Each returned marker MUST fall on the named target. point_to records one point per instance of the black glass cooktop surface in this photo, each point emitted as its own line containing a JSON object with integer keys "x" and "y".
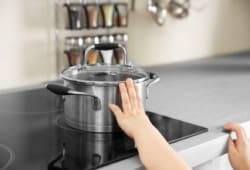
{"x": 32, "y": 128}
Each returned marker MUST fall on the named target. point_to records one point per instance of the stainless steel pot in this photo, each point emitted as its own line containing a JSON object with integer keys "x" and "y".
{"x": 90, "y": 88}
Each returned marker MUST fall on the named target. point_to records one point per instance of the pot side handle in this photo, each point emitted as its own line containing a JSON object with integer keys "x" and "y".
{"x": 62, "y": 90}
{"x": 153, "y": 78}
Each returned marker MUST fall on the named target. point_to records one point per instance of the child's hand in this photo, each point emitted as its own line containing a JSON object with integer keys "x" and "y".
{"x": 132, "y": 118}
{"x": 153, "y": 149}
{"x": 239, "y": 150}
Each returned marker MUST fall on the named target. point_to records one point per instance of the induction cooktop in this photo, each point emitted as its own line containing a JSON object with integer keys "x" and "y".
{"x": 35, "y": 136}
{"x": 86, "y": 151}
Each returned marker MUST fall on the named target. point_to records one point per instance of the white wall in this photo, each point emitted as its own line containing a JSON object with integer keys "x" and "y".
{"x": 222, "y": 27}
{"x": 28, "y": 57}
{"x": 24, "y": 43}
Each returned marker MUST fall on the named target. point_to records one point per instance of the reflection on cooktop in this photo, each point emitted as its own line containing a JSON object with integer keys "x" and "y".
{"x": 82, "y": 150}
{"x": 86, "y": 150}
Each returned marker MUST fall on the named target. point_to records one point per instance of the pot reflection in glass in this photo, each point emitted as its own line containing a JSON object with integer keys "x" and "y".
{"x": 84, "y": 150}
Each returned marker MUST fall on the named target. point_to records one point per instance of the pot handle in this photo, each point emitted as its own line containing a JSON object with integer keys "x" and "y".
{"x": 104, "y": 46}
{"x": 62, "y": 90}
{"x": 153, "y": 78}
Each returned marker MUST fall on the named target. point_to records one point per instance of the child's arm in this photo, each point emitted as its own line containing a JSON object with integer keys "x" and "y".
{"x": 154, "y": 151}
{"x": 238, "y": 150}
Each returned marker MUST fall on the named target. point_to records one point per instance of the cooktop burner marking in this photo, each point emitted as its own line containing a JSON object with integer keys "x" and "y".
{"x": 7, "y": 156}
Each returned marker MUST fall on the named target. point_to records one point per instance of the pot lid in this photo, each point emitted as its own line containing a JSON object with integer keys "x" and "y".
{"x": 103, "y": 74}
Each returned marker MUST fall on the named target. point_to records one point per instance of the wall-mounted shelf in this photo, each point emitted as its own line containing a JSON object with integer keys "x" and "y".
{"x": 87, "y": 18}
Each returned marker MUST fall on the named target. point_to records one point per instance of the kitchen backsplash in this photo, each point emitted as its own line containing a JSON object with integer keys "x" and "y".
{"x": 28, "y": 44}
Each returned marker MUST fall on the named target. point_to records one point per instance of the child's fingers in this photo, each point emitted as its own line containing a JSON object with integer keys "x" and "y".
{"x": 244, "y": 133}
{"x": 116, "y": 110}
{"x": 231, "y": 145}
{"x": 124, "y": 98}
{"x": 238, "y": 130}
{"x": 131, "y": 92}
{"x": 139, "y": 102}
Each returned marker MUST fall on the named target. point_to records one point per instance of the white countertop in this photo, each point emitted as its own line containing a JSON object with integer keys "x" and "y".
{"x": 208, "y": 92}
